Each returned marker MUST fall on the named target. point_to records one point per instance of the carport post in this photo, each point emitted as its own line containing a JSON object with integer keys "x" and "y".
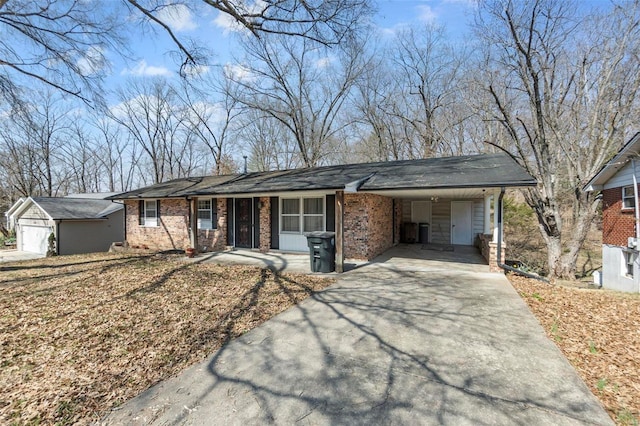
{"x": 487, "y": 214}
{"x": 193, "y": 222}
{"x": 339, "y": 231}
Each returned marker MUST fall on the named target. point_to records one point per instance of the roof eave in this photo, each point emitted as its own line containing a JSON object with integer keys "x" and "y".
{"x": 609, "y": 170}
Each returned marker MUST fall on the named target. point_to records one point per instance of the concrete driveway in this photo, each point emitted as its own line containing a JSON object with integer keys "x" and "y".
{"x": 17, "y": 255}
{"x": 401, "y": 341}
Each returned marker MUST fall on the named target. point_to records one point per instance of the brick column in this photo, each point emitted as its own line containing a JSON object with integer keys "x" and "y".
{"x": 265, "y": 224}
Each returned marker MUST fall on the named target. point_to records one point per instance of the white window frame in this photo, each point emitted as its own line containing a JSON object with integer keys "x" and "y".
{"x": 283, "y": 215}
{"x": 301, "y": 214}
{"x": 150, "y": 222}
{"x": 628, "y": 200}
{"x": 321, "y": 215}
{"x": 628, "y": 261}
{"x": 211, "y": 223}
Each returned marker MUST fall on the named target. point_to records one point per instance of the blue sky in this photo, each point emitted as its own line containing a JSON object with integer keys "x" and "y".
{"x": 216, "y": 30}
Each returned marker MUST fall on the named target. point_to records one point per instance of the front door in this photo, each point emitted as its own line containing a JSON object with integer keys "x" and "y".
{"x": 461, "y": 223}
{"x": 243, "y": 210}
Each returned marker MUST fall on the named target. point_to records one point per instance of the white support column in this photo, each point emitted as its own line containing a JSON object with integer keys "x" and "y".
{"x": 487, "y": 214}
{"x": 495, "y": 218}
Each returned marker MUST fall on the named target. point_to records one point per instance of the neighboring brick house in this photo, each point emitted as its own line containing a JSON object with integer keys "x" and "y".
{"x": 369, "y": 206}
{"x": 618, "y": 183}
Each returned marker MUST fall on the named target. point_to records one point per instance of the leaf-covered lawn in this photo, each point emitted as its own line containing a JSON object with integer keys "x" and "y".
{"x": 82, "y": 334}
{"x": 599, "y": 333}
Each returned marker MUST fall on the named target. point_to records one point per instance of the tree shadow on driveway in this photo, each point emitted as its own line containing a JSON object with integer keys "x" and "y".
{"x": 384, "y": 346}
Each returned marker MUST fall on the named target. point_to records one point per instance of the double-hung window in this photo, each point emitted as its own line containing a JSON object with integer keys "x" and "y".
{"x": 628, "y": 197}
{"x": 305, "y": 214}
{"x": 629, "y": 258}
{"x": 149, "y": 212}
{"x": 291, "y": 215}
{"x": 313, "y": 215}
{"x": 207, "y": 214}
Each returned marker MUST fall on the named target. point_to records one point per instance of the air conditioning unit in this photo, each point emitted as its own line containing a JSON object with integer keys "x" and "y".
{"x": 632, "y": 242}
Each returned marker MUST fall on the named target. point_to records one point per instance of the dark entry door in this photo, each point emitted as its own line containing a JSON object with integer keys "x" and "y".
{"x": 243, "y": 222}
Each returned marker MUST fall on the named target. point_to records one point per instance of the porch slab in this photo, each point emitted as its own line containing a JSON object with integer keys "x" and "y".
{"x": 416, "y": 256}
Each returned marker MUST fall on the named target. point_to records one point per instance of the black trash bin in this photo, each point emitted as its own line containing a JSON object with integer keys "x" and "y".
{"x": 423, "y": 233}
{"x": 322, "y": 256}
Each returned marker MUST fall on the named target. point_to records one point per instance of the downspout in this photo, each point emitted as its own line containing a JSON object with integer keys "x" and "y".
{"x": 637, "y": 211}
{"x": 499, "y": 260}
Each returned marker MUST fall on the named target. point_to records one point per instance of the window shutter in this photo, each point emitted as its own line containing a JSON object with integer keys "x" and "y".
{"x": 214, "y": 213}
{"x": 141, "y": 212}
{"x": 158, "y": 211}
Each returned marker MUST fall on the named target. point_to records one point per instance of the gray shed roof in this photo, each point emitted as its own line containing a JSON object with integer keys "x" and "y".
{"x": 471, "y": 171}
{"x": 77, "y": 208}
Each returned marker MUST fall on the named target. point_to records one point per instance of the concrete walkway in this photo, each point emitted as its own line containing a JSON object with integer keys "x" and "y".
{"x": 17, "y": 255}
{"x": 401, "y": 341}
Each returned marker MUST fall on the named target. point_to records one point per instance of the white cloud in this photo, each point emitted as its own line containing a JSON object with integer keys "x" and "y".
{"x": 93, "y": 61}
{"x": 228, "y": 24}
{"x": 178, "y": 17}
{"x": 465, "y": 3}
{"x": 238, "y": 72}
{"x": 393, "y": 31}
{"x": 426, "y": 14}
{"x": 196, "y": 70}
{"x": 142, "y": 69}
{"x": 324, "y": 62}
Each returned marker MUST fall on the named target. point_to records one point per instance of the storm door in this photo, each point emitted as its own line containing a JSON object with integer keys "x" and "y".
{"x": 243, "y": 222}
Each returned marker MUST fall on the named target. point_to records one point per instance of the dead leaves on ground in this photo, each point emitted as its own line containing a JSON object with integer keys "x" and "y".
{"x": 82, "y": 334}
{"x": 599, "y": 333}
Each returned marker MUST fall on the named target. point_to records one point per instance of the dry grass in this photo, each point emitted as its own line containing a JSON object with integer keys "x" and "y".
{"x": 82, "y": 334}
{"x": 599, "y": 333}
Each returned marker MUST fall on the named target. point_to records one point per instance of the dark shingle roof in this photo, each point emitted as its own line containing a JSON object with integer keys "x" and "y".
{"x": 77, "y": 208}
{"x": 487, "y": 170}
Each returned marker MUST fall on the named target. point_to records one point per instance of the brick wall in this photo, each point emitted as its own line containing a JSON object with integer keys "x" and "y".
{"x": 215, "y": 239}
{"x": 489, "y": 251}
{"x": 265, "y": 225}
{"x": 617, "y": 224}
{"x": 172, "y": 232}
{"x": 368, "y": 225}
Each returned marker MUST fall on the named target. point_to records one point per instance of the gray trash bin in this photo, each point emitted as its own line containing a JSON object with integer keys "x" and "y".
{"x": 322, "y": 255}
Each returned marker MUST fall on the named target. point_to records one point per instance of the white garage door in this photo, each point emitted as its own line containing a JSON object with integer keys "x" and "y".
{"x": 34, "y": 238}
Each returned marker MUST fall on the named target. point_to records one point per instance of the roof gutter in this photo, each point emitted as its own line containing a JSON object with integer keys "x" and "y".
{"x": 500, "y": 264}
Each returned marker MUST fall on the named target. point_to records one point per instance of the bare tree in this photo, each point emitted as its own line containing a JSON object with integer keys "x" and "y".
{"x": 151, "y": 115}
{"x": 210, "y": 122}
{"x": 323, "y": 22}
{"x": 563, "y": 87}
{"x": 60, "y": 43}
{"x": 269, "y": 142}
{"x": 302, "y": 86}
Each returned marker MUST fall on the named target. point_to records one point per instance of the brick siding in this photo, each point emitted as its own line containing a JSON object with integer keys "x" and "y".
{"x": 173, "y": 229}
{"x": 215, "y": 239}
{"x": 368, "y": 225}
{"x": 265, "y": 224}
{"x": 617, "y": 224}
